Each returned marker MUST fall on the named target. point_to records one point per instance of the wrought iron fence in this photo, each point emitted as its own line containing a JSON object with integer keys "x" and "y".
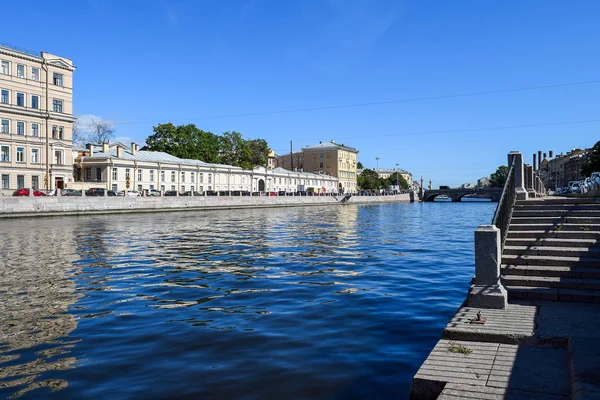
{"x": 506, "y": 205}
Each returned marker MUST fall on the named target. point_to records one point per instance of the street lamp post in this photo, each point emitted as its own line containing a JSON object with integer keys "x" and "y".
{"x": 377, "y": 164}
{"x": 397, "y": 178}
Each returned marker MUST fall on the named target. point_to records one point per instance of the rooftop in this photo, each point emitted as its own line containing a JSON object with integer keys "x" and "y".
{"x": 329, "y": 145}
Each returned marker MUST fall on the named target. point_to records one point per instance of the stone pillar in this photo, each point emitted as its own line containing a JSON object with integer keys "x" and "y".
{"x": 486, "y": 290}
{"x": 58, "y": 192}
{"x": 529, "y": 179}
{"x": 519, "y": 174}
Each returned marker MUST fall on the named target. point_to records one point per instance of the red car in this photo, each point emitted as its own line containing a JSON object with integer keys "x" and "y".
{"x": 25, "y": 192}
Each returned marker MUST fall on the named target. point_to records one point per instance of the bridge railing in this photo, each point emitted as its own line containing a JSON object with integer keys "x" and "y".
{"x": 506, "y": 205}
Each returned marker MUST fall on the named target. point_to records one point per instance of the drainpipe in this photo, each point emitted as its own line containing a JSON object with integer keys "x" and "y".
{"x": 109, "y": 180}
{"x": 49, "y": 184}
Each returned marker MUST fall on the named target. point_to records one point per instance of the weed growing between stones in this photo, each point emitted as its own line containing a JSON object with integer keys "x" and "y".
{"x": 459, "y": 348}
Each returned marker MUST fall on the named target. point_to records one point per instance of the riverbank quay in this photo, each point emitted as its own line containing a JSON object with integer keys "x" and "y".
{"x": 528, "y": 328}
{"x": 30, "y": 206}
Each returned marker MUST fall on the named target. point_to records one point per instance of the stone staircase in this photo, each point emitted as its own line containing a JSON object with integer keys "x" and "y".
{"x": 552, "y": 251}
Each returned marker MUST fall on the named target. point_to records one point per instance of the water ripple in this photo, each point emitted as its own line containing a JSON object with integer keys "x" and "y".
{"x": 313, "y": 302}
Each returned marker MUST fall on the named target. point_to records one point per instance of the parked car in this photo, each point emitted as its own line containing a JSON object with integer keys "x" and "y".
{"x": 70, "y": 192}
{"x": 152, "y": 192}
{"x": 128, "y": 193}
{"x": 171, "y": 193}
{"x": 211, "y": 193}
{"x": 189, "y": 193}
{"x": 99, "y": 192}
{"x": 25, "y": 192}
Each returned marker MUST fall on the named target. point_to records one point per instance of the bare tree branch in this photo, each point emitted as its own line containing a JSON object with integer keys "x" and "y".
{"x": 101, "y": 131}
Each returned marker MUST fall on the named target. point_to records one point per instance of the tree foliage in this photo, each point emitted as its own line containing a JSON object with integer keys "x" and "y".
{"x": 187, "y": 141}
{"x": 593, "y": 162}
{"x": 359, "y": 165}
{"x": 498, "y": 178}
{"x": 370, "y": 180}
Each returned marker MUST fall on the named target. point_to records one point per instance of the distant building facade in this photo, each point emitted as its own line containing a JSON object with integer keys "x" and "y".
{"x": 36, "y": 120}
{"x": 327, "y": 158}
{"x": 563, "y": 168}
{"x": 110, "y": 166}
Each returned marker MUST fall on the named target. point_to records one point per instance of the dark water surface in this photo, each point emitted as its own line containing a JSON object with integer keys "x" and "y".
{"x": 310, "y": 302}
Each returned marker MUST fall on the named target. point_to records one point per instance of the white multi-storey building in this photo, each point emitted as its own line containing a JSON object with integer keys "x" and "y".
{"x": 36, "y": 120}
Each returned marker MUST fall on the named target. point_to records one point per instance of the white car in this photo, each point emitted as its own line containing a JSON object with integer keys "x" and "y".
{"x": 128, "y": 193}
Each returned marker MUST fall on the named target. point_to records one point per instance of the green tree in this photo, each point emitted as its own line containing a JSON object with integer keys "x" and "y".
{"x": 498, "y": 178}
{"x": 593, "y": 162}
{"x": 359, "y": 165}
{"x": 232, "y": 145}
{"x": 185, "y": 141}
{"x": 255, "y": 152}
{"x": 396, "y": 179}
{"x": 369, "y": 180}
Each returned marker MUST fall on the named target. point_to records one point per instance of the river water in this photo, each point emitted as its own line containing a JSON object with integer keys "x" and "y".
{"x": 331, "y": 302}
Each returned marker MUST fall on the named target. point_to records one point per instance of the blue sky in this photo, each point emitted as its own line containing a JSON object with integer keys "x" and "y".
{"x": 140, "y": 63}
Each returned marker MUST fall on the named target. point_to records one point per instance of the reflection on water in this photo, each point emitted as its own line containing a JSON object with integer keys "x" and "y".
{"x": 308, "y": 302}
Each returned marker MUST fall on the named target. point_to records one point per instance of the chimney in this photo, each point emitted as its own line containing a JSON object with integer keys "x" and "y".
{"x": 119, "y": 151}
{"x": 90, "y": 148}
{"x": 545, "y": 156}
{"x": 539, "y": 158}
{"x": 133, "y": 148}
{"x": 550, "y": 153}
{"x": 534, "y": 165}
{"x": 105, "y": 147}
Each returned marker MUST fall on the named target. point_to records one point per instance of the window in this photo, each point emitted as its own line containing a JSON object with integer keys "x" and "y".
{"x": 151, "y": 186}
{"x": 54, "y": 131}
{"x": 173, "y": 177}
{"x": 57, "y": 79}
{"x": 58, "y": 157}
{"x": 172, "y": 187}
{"x": 5, "y": 67}
{"x": 183, "y": 177}
{"x": 4, "y": 96}
{"x": 192, "y": 177}
{"x": 140, "y": 174}
{"x": 20, "y": 71}
{"x": 183, "y": 188}
{"x": 140, "y": 188}
{"x": 20, "y": 128}
{"x": 201, "y": 176}
{"x": 21, "y": 99}
{"x": 60, "y": 132}
{"x": 320, "y": 165}
{"x": 98, "y": 174}
{"x": 4, "y": 153}
{"x": 35, "y": 182}
{"x": 127, "y": 173}
{"x": 5, "y": 127}
{"x": 35, "y": 130}
{"x": 209, "y": 178}
{"x": 115, "y": 187}
{"x": 320, "y": 155}
{"x": 5, "y": 181}
{"x": 35, "y": 156}
{"x": 115, "y": 174}
{"x": 20, "y": 181}
{"x": 151, "y": 175}
{"x": 57, "y": 105}
{"x": 20, "y": 154}
{"x": 162, "y": 188}
{"x": 35, "y": 74}
{"x": 162, "y": 176}
{"x": 35, "y": 102}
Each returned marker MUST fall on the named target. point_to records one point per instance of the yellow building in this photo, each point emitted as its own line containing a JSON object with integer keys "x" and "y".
{"x": 327, "y": 158}
{"x": 36, "y": 120}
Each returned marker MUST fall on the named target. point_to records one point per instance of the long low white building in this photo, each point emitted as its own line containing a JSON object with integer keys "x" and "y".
{"x": 112, "y": 166}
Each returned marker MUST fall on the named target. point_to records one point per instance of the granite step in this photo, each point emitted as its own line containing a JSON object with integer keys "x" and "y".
{"x": 555, "y": 220}
{"x": 561, "y": 207}
{"x": 551, "y": 282}
{"x": 552, "y": 294}
{"x": 512, "y": 259}
{"x": 556, "y": 213}
{"x": 551, "y": 251}
{"x": 549, "y": 226}
{"x": 551, "y": 271}
{"x": 532, "y": 240}
{"x": 561, "y": 234}
{"x": 547, "y": 201}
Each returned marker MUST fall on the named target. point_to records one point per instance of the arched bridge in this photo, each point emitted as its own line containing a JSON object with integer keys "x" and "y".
{"x": 458, "y": 194}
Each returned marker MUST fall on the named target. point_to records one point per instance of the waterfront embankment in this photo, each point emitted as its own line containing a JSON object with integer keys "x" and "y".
{"x": 15, "y": 207}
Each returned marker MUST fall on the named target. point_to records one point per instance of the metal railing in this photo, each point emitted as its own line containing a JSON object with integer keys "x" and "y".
{"x": 506, "y": 205}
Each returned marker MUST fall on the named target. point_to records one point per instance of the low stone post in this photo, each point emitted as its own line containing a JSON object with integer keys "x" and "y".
{"x": 530, "y": 176}
{"x": 487, "y": 291}
{"x": 58, "y": 192}
{"x": 177, "y": 193}
{"x": 30, "y": 192}
{"x": 82, "y": 192}
{"x": 105, "y": 192}
{"x": 519, "y": 174}
{"x": 192, "y": 192}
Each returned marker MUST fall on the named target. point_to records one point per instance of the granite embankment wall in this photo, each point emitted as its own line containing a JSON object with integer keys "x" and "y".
{"x": 13, "y": 207}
